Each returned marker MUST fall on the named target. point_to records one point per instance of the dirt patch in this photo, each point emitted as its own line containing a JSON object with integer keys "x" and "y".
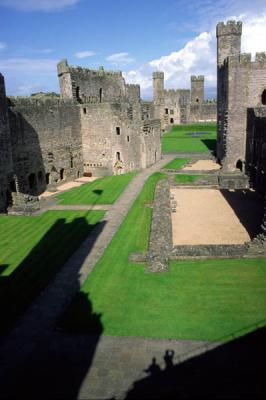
{"x": 204, "y": 216}
{"x": 202, "y": 165}
{"x": 69, "y": 185}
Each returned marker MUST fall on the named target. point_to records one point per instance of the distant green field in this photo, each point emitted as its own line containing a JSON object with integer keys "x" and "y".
{"x": 200, "y": 300}
{"x": 187, "y": 178}
{"x": 177, "y": 163}
{"x": 32, "y": 250}
{"x": 102, "y": 191}
{"x": 180, "y": 140}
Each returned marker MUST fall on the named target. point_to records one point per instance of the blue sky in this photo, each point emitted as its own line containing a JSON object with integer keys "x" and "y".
{"x": 137, "y": 37}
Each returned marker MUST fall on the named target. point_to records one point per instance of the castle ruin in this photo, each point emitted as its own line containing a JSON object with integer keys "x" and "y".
{"x": 98, "y": 126}
{"x": 181, "y": 106}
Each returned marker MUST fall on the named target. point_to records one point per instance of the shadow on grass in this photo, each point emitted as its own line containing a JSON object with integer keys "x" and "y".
{"x": 210, "y": 144}
{"x": 55, "y": 362}
{"x": 235, "y": 370}
{"x": 248, "y": 207}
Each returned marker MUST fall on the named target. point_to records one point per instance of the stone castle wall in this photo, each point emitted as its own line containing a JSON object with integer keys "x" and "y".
{"x": 6, "y": 168}
{"x": 46, "y": 142}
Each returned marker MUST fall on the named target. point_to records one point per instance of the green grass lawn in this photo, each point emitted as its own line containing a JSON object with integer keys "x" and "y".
{"x": 187, "y": 178}
{"x": 102, "y": 191}
{"x": 32, "y": 249}
{"x": 196, "y": 300}
{"x": 177, "y": 163}
{"x": 178, "y": 140}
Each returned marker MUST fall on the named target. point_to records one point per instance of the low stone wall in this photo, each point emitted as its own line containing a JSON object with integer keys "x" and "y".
{"x": 208, "y": 251}
{"x": 161, "y": 230}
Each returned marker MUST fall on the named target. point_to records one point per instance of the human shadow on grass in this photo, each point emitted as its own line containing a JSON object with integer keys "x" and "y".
{"x": 55, "y": 361}
{"x": 234, "y": 370}
{"x": 248, "y": 207}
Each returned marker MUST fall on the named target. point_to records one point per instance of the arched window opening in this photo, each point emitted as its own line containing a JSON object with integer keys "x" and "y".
{"x": 78, "y": 94}
{"x": 100, "y": 94}
{"x": 47, "y": 178}
{"x": 12, "y": 186}
{"x": 263, "y": 97}
{"x": 32, "y": 181}
{"x": 239, "y": 165}
{"x": 40, "y": 176}
{"x": 62, "y": 173}
{"x": 197, "y": 100}
{"x": 71, "y": 162}
{"x": 118, "y": 156}
{"x": 171, "y": 120}
{"x": 166, "y": 111}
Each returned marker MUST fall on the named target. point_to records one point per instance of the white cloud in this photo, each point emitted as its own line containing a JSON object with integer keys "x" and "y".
{"x": 85, "y": 53}
{"x": 38, "y": 5}
{"x": 120, "y": 59}
{"x": 3, "y": 46}
{"x": 198, "y": 57}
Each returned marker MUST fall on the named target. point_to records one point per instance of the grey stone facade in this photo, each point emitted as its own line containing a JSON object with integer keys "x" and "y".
{"x": 241, "y": 117}
{"x": 6, "y": 185}
{"x": 98, "y": 126}
{"x": 241, "y": 83}
{"x": 182, "y": 106}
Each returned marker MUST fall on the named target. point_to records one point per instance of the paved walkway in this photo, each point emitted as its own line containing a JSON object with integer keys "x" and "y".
{"x": 35, "y": 349}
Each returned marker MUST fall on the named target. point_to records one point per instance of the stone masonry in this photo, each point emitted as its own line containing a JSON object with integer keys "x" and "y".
{"x": 98, "y": 126}
{"x": 181, "y": 106}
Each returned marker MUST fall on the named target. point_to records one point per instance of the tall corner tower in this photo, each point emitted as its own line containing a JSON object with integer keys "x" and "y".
{"x": 65, "y": 82}
{"x": 228, "y": 40}
{"x": 197, "y": 89}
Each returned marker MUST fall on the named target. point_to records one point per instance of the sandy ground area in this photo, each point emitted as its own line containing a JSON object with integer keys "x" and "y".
{"x": 69, "y": 185}
{"x": 202, "y": 165}
{"x": 203, "y": 216}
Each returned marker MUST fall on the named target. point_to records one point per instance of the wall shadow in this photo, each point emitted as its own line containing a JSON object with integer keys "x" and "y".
{"x": 28, "y": 163}
{"x": 235, "y": 370}
{"x": 210, "y": 144}
{"x": 248, "y": 207}
{"x": 58, "y": 361}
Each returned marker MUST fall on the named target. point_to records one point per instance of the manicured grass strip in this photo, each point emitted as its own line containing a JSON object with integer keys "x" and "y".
{"x": 201, "y": 300}
{"x": 177, "y": 163}
{"x": 102, "y": 191}
{"x": 32, "y": 249}
{"x": 180, "y": 140}
{"x": 186, "y": 178}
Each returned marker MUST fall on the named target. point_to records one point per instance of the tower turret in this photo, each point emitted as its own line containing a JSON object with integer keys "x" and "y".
{"x": 197, "y": 89}
{"x": 228, "y": 40}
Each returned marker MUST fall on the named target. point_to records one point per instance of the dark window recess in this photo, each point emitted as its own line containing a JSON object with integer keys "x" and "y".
{"x": 47, "y": 178}
{"x": 62, "y": 173}
{"x": 128, "y": 138}
{"x": 71, "y": 162}
{"x": 84, "y": 110}
{"x": 263, "y": 97}
{"x": 166, "y": 111}
{"x": 117, "y": 130}
{"x": 118, "y": 156}
{"x": 32, "y": 181}
{"x": 171, "y": 120}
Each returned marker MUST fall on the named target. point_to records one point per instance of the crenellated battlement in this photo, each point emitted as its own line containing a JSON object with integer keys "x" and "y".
{"x": 158, "y": 75}
{"x": 229, "y": 28}
{"x": 197, "y": 78}
{"x": 245, "y": 60}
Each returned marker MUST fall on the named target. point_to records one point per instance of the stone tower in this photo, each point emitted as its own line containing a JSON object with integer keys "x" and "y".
{"x": 197, "y": 89}
{"x": 5, "y": 150}
{"x": 158, "y": 95}
{"x": 228, "y": 44}
{"x": 228, "y": 40}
